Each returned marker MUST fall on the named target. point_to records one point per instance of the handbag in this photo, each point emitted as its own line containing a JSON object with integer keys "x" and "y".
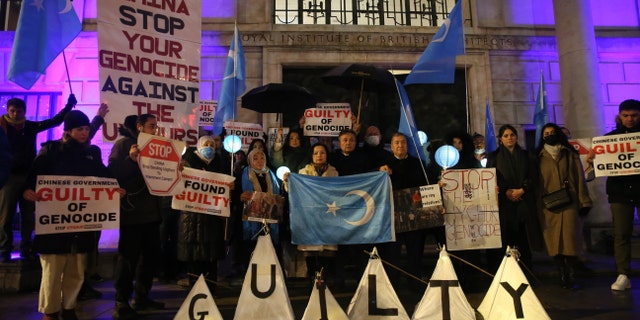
{"x": 560, "y": 198}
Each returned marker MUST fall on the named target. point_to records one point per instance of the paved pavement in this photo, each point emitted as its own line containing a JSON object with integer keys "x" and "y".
{"x": 594, "y": 301}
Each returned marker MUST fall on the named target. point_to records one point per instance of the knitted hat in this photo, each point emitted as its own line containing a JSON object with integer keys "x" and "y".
{"x": 74, "y": 119}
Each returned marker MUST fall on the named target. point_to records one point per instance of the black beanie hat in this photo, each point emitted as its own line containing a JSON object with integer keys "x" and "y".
{"x": 629, "y": 105}
{"x": 74, "y": 119}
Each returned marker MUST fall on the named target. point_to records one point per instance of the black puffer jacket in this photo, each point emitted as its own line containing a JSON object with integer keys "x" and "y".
{"x": 624, "y": 189}
{"x": 201, "y": 236}
{"x": 138, "y": 206}
{"x": 67, "y": 159}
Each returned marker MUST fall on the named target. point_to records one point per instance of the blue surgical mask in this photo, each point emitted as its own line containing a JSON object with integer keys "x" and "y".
{"x": 206, "y": 152}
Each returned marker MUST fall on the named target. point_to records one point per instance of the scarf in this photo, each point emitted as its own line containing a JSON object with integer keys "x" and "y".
{"x": 16, "y": 123}
{"x": 554, "y": 151}
{"x": 321, "y": 168}
{"x": 513, "y": 166}
{"x": 255, "y": 182}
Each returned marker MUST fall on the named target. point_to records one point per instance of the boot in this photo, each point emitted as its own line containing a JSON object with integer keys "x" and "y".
{"x": 69, "y": 314}
{"x": 51, "y": 316}
{"x": 570, "y": 265}
{"x": 562, "y": 270}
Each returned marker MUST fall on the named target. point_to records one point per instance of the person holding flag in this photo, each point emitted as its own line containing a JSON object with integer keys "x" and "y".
{"x": 22, "y": 135}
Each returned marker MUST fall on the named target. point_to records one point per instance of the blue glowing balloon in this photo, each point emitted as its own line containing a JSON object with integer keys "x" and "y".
{"x": 232, "y": 143}
{"x": 447, "y": 156}
{"x": 280, "y": 172}
{"x": 423, "y": 137}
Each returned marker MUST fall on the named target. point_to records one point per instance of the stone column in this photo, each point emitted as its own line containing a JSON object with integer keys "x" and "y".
{"x": 579, "y": 73}
{"x": 581, "y": 88}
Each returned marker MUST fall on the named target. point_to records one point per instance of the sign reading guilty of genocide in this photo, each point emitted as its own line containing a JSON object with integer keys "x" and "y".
{"x": 327, "y": 119}
{"x": 149, "y": 60}
{"x": 616, "y": 155}
{"x": 76, "y": 204}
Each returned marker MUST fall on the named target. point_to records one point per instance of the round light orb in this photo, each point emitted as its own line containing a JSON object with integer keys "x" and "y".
{"x": 232, "y": 143}
{"x": 423, "y": 137}
{"x": 280, "y": 172}
{"x": 447, "y": 156}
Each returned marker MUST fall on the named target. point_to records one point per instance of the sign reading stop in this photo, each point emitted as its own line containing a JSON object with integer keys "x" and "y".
{"x": 159, "y": 161}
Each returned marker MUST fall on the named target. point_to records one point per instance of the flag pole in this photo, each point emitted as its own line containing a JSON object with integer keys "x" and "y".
{"x": 66, "y": 68}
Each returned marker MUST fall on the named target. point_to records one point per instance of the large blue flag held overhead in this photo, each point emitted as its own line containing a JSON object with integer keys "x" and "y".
{"x": 233, "y": 84}
{"x": 541, "y": 115}
{"x": 438, "y": 61}
{"x": 45, "y": 28}
{"x": 490, "y": 142}
{"x": 341, "y": 210}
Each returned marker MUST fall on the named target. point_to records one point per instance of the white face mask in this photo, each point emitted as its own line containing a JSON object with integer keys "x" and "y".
{"x": 480, "y": 151}
{"x": 372, "y": 140}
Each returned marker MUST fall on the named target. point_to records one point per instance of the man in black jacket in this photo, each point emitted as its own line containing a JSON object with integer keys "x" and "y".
{"x": 22, "y": 134}
{"x": 624, "y": 198}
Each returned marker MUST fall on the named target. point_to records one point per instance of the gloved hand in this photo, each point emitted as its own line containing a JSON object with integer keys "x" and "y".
{"x": 584, "y": 211}
{"x": 71, "y": 102}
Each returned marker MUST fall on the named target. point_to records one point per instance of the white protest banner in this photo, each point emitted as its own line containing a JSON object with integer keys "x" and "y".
{"x": 327, "y": 119}
{"x": 417, "y": 208}
{"x": 149, "y": 60}
{"x": 206, "y": 113}
{"x": 471, "y": 206}
{"x": 616, "y": 155}
{"x": 582, "y": 146}
{"x": 76, "y": 204}
{"x": 204, "y": 192}
{"x": 159, "y": 161}
{"x": 246, "y": 131}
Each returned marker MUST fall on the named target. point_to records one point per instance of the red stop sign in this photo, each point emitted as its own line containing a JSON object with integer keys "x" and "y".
{"x": 160, "y": 165}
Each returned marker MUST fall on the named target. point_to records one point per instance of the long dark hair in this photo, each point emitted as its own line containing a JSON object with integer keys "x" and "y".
{"x": 504, "y": 128}
{"x": 562, "y": 138}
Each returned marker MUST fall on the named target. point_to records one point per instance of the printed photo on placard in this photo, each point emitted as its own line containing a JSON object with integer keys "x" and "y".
{"x": 263, "y": 206}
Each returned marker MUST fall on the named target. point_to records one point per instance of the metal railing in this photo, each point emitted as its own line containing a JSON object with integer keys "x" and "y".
{"x": 363, "y": 12}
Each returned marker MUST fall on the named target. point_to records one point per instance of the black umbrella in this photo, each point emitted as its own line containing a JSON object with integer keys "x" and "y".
{"x": 278, "y": 98}
{"x": 361, "y": 77}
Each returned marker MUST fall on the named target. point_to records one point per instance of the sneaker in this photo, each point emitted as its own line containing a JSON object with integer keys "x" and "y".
{"x": 140, "y": 304}
{"x": 124, "y": 312}
{"x": 622, "y": 283}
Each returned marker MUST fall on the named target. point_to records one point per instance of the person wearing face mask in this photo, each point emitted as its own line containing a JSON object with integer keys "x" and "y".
{"x": 373, "y": 148}
{"x": 201, "y": 236}
{"x": 560, "y": 167}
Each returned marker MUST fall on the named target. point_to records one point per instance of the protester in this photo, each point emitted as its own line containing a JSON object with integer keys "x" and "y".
{"x": 624, "y": 197}
{"x": 406, "y": 172}
{"x": 293, "y": 153}
{"x": 201, "y": 236}
{"x": 463, "y": 142}
{"x": 516, "y": 179}
{"x": 259, "y": 143}
{"x": 560, "y": 167}
{"x": 22, "y": 134}
{"x": 63, "y": 255}
{"x": 373, "y": 147}
{"x": 139, "y": 243}
{"x": 479, "y": 148}
{"x": 257, "y": 177}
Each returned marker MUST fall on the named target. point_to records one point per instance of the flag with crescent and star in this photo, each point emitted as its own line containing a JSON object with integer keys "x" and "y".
{"x": 437, "y": 64}
{"x": 45, "y": 28}
{"x": 341, "y": 210}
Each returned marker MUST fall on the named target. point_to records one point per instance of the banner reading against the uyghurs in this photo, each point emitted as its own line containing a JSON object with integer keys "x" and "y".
{"x": 149, "y": 60}
{"x": 204, "y": 192}
{"x": 616, "y": 155}
{"x": 327, "y": 119}
{"x": 76, "y": 204}
{"x": 341, "y": 210}
{"x": 471, "y": 206}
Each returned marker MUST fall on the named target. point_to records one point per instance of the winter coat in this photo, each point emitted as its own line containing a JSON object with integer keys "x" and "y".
{"x": 624, "y": 189}
{"x": 66, "y": 159}
{"x": 138, "y": 206}
{"x": 561, "y": 228}
{"x": 201, "y": 236}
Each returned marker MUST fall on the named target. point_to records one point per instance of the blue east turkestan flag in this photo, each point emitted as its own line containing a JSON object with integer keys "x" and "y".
{"x": 341, "y": 210}
{"x": 438, "y": 61}
{"x": 541, "y": 115}
{"x": 407, "y": 125}
{"x": 45, "y": 28}
{"x": 233, "y": 83}
{"x": 490, "y": 142}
